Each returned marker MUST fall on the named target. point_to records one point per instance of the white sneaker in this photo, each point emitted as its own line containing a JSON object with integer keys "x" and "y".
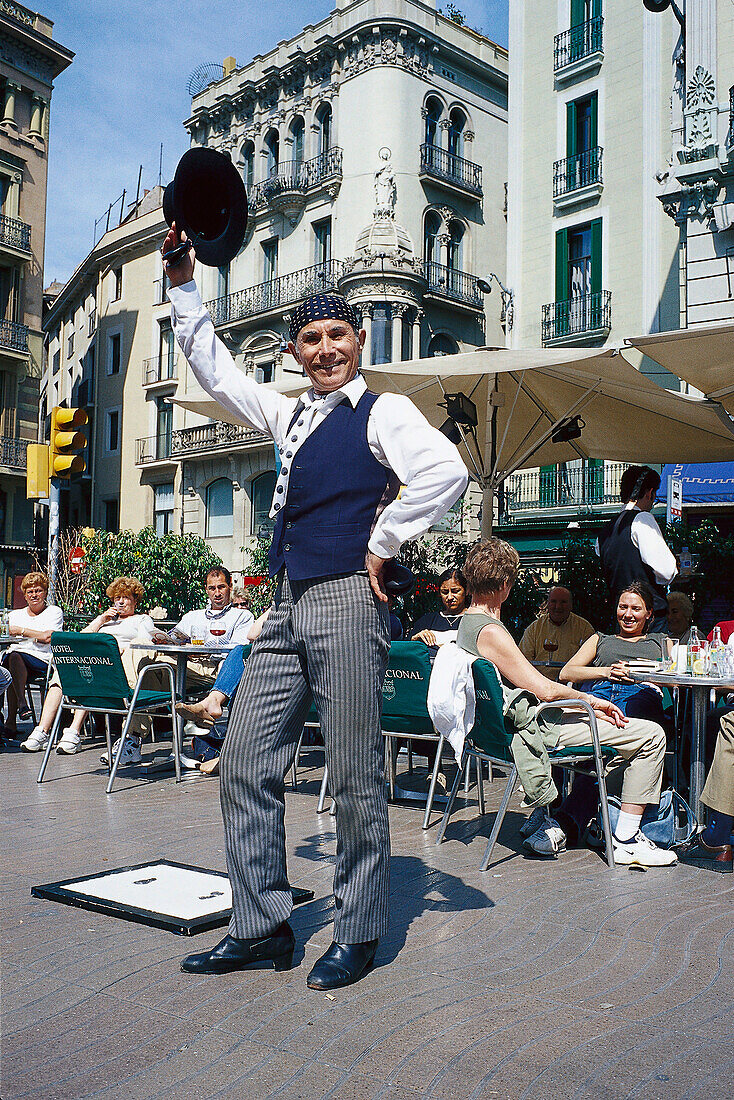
{"x": 36, "y": 741}
{"x": 131, "y": 754}
{"x": 548, "y": 840}
{"x": 70, "y": 742}
{"x": 642, "y": 851}
{"x": 533, "y": 823}
{"x": 187, "y": 762}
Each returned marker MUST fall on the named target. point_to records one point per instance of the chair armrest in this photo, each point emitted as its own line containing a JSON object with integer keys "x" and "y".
{"x": 576, "y": 704}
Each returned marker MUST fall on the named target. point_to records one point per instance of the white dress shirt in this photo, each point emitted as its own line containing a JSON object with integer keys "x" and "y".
{"x": 235, "y": 621}
{"x": 646, "y": 536}
{"x": 398, "y": 435}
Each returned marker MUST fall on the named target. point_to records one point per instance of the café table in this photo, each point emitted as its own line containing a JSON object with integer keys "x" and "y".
{"x": 700, "y": 690}
{"x": 182, "y": 654}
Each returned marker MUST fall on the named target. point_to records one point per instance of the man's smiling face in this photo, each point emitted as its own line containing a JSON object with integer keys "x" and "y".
{"x": 328, "y": 350}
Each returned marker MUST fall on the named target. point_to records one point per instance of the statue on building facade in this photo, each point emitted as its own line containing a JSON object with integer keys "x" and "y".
{"x": 386, "y": 192}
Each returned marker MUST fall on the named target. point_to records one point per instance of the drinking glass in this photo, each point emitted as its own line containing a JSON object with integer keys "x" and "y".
{"x": 197, "y": 637}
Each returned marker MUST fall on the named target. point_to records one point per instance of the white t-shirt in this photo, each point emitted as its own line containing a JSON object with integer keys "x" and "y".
{"x": 126, "y": 630}
{"x": 51, "y": 618}
{"x": 235, "y": 621}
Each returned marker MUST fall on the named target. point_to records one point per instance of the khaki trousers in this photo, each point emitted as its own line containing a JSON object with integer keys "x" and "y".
{"x": 200, "y": 676}
{"x": 718, "y": 791}
{"x": 641, "y": 743}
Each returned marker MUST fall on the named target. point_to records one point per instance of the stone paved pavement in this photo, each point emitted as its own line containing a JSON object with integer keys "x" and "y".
{"x": 536, "y": 979}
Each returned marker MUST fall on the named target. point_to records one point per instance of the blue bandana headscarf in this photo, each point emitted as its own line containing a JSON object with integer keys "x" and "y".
{"x": 320, "y": 307}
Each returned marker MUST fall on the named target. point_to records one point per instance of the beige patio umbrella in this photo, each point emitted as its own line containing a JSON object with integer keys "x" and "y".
{"x": 702, "y": 356}
{"x": 527, "y": 402}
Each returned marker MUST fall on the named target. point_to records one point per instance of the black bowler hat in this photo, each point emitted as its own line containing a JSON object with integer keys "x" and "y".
{"x": 207, "y": 200}
{"x": 398, "y": 579}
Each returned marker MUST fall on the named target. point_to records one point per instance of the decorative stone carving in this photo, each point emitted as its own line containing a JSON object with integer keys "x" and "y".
{"x": 700, "y": 103}
{"x": 386, "y": 191}
{"x": 701, "y": 89}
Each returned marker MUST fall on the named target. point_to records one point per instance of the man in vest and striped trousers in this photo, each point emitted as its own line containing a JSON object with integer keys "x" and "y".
{"x": 344, "y": 454}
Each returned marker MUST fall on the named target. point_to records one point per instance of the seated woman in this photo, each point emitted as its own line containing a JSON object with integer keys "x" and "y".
{"x": 452, "y": 591}
{"x": 602, "y": 662}
{"x": 491, "y": 569}
{"x": 680, "y": 617}
{"x": 125, "y": 625}
{"x": 31, "y": 654}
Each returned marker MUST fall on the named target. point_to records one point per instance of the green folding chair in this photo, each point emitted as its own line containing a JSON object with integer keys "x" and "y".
{"x": 92, "y": 677}
{"x": 490, "y": 741}
{"x": 404, "y": 713}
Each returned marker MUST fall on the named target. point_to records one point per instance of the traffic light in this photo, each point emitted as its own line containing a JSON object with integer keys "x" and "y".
{"x": 37, "y": 472}
{"x": 67, "y": 443}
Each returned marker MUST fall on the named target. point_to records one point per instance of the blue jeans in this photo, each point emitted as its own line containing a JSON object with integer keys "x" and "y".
{"x": 634, "y": 700}
{"x": 230, "y": 672}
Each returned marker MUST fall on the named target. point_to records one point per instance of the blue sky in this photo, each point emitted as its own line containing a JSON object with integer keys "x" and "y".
{"x": 125, "y": 93}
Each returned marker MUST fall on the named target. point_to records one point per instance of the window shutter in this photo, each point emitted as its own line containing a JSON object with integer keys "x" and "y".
{"x": 561, "y": 265}
{"x": 578, "y": 12}
{"x": 571, "y": 129}
{"x": 596, "y": 256}
{"x": 594, "y": 121}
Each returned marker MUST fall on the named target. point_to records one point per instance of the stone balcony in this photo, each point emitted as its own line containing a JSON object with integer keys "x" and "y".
{"x": 13, "y": 453}
{"x": 13, "y": 337}
{"x": 15, "y": 236}
{"x": 290, "y": 183}
{"x": 276, "y": 294}
{"x": 458, "y": 287}
{"x": 578, "y": 51}
{"x": 577, "y": 179}
{"x": 450, "y": 170}
{"x": 579, "y": 320}
{"x": 214, "y": 437}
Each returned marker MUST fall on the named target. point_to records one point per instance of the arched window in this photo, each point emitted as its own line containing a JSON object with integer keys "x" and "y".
{"x": 297, "y": 132}
{"x": 323, "y": 118}
{"x": 248, "y": 165}
{"x": 262, "y": 491}
{"x": 220, "y": 509}
{"x": 455, "y": 246}
{"x": 434, "y": 110}
{"x": 457, "y": 122}
{"x": 272, "y": 146}
{"x": 442, "y": 345}
{"x": 431, "y": 245}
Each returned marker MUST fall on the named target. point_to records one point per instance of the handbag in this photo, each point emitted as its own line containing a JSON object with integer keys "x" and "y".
{"x": 670, "y": 823}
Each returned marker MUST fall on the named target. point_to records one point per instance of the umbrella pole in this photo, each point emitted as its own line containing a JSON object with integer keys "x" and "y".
{"x": 487, "y": 508}
{"x": 489, "y": 467}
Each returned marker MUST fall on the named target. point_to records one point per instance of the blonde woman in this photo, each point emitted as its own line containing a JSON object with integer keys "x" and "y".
{"x": 32, "y": 625}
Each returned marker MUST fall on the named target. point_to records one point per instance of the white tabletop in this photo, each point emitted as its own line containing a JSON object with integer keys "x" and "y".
{"x": 683, "y": 679}
{"x": 187, "y": 650}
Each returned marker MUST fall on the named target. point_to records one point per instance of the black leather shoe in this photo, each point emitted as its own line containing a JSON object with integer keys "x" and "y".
{"x": 232, "y": 954}
{"x": 342, "y": 964}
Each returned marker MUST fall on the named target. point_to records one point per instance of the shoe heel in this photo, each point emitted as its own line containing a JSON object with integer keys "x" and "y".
{"x": 284, "y": 962}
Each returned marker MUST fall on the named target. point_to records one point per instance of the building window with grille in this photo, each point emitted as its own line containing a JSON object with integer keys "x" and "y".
{"x": 163, "y": 503}
{"x": 381, "y": 333}
{"x": 220, "y": 509}
{"x": 163, "y": 428}
{"x": 70, "y": 345}
{"x": 248, "y": 165}
{"x": 434, "y": 110}
{"x": 166, "y": 351}
{"x": 116, "y": 284}
{"x": 262, "y": 491}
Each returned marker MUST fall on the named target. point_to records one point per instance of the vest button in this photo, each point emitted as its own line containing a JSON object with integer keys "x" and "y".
{"x": 276, "y": 507}
{"x": 289, "y": 454}
{"x": 294, "y": 439}
{"x": 279, "y": 489}
{"x": 283, "y": 472}
{"x": 287, "y": 546}
{"x": 289, "y": 524}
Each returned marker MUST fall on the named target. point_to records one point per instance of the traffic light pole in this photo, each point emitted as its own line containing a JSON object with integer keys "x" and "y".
{"x": 54, "y": 497}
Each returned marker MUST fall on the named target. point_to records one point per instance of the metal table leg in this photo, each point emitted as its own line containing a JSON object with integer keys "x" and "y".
{"x": 698, "y": 745}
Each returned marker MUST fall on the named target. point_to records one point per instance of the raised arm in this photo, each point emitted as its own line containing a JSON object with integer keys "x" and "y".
{"x": 248, "y": 401}
{"x": 580, "y": 668}
{"x": 497, "y": 646}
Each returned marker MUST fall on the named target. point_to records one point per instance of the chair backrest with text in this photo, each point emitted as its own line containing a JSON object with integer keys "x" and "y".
{"x": 405, "y": 689}
{"x": 489, "y": 732}
{"x": 90, "y": 669}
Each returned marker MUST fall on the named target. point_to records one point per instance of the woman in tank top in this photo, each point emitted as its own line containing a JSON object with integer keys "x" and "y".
{"x": 602, "y": 662}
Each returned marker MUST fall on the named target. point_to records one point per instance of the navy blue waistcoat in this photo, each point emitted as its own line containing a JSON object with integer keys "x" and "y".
{"x": 622, "y": 562}
{"x": 335, "y": 485}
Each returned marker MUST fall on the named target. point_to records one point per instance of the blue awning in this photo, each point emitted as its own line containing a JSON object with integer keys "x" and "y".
{"x": 703, "y": 482}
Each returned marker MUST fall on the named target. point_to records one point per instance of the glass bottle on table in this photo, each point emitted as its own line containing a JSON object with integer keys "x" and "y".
{"x": 695, "y": 656}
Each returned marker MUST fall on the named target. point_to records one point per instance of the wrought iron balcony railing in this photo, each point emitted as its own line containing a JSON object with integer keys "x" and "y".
{"x": 443, "y": 165}
{"x": 730, "y": 134}
{"x": 275, "y": 294}
{"x": 449, "y": 283}
{"x": 295, "y": 176}
{"x": 155, "y": 448}
{"x": 92, "y": 322}
{"x": 161, "y": 368}
{"x": 563, "y": 486}
{"x": 15, "y": 234}
{"x": 212, "y": 437}
{"x": 580, "y": 170}
{"x": 13, "y": 336}
{"x": 12, "y": 452}
{"x": 584, "y": 314}
{"x": 577, "y": 43}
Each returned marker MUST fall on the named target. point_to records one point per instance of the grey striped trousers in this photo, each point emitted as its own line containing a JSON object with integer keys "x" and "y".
{"x": 328, "y": 637}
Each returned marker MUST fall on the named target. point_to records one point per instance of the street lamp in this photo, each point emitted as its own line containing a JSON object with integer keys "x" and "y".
{"x": 508, "y": 297}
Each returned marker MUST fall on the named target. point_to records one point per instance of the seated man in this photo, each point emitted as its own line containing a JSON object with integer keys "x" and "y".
{"x": 712, "y": 848}
{"x": 491, "y": 569}
{"x": 557, "y": 633}
{"x": 219, "y": 624}
{"x": 680, "y": 617}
